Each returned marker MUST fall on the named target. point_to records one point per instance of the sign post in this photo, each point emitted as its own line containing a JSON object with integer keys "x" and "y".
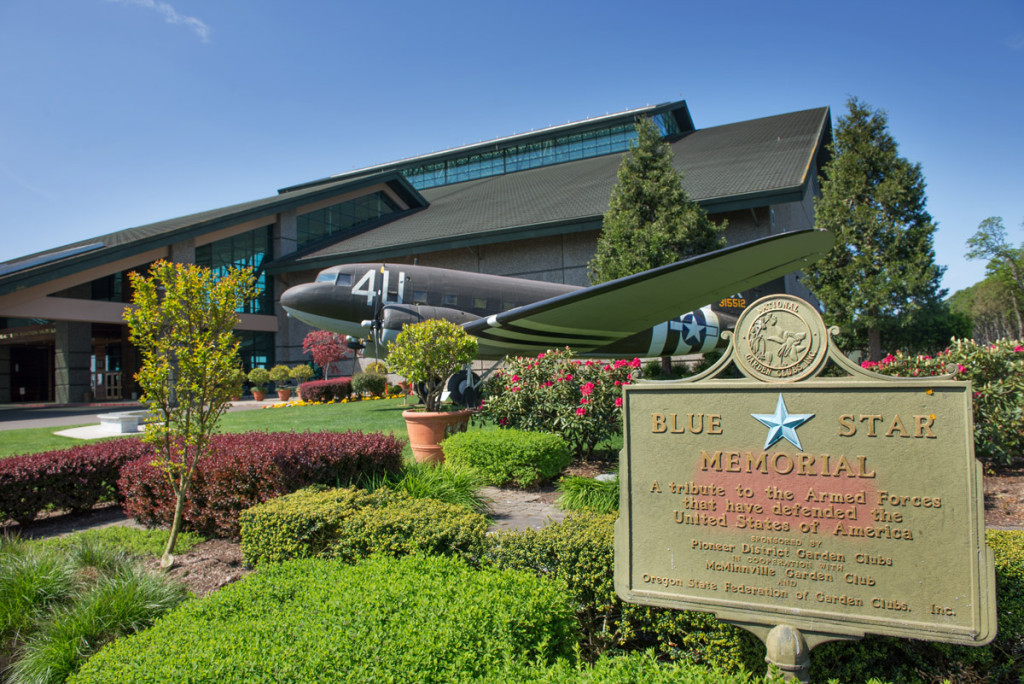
{"x": 805, "y": 509}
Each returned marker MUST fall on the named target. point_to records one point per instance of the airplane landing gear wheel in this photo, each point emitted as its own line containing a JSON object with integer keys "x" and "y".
{"x": 464, "y": 388}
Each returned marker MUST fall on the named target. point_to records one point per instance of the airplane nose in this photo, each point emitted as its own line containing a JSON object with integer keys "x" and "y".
{"x": 297, "y": 297}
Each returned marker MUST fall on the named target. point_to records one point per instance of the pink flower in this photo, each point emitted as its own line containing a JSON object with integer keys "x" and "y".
{"x": 568, "y": 376}
{"x": 548, "y": 384}
{"x": 1018, "y": 348}
{"x": 606, "y": 367}
{"x": 589, "y": 363}
{"x": 516, "y": 388}
{"x": 581, "y": 411}
{"x": 960, "y": 368}
{"x": 587, "y": 389}
{"x": 635, "y": 363}
{"x": 584, "y": 400}
{"x": 618, "y": 402}
{"x": 541, "y": 355}
{"x": 503, "y": 421}
{"x": 515, "y": 378}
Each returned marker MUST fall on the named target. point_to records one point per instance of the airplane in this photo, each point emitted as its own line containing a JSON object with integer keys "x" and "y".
{"x": 634, "y": 316}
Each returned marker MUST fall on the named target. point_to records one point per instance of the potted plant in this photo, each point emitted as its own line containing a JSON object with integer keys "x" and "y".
{"x": 281, "y": 375}
{"x": 301, "y": 373}
{"x": 426, "y": 354}
{"x": 258, "y": 379}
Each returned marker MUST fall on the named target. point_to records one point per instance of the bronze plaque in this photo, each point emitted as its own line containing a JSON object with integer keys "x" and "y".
{"x": 844, "y": 506}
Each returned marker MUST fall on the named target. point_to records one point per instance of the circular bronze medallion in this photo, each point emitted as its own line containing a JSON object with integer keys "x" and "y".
{"x": 780, "y": 338}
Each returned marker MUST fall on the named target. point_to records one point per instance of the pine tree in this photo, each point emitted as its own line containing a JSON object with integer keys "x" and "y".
{"x": 650, "y": 221}
{"x": 882, "y": 268}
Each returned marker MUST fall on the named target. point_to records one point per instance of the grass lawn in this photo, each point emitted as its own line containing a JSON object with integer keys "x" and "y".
{"x": 384, "y": 415}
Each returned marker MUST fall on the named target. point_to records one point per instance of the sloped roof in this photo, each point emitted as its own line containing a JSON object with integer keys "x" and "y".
{"x": 725, "y": 168}
{"x": 50, "y": 264}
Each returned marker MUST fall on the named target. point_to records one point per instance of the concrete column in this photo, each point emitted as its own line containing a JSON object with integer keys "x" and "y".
{"x": 290, "y": 332}
{"x": 184, "y": 252}
{"x": 5, "y": 374}
{"x": 285, "y": 236}
{"x": 72, "y": 356}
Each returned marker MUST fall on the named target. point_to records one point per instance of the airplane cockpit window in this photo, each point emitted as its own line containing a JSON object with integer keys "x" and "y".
{"x": 449, "y": 300}
{"x": 344, "y": 279}
{"x": 327, "y": 277}
{"x": 419, "y": 297}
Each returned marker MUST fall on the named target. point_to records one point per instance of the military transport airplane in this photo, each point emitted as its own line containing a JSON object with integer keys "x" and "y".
{"x": 633, "y": 316}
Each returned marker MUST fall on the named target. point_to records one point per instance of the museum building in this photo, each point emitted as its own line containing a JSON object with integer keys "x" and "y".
{"x": 527, "y": 205}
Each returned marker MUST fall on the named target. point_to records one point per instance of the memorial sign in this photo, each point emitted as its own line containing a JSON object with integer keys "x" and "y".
{"x": 833, "y": 506}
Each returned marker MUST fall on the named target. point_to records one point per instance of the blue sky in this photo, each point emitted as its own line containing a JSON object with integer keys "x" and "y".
{"x": 117, "y": 113}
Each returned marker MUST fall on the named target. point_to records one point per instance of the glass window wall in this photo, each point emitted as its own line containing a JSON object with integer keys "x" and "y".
{"x": 252, "y": 249}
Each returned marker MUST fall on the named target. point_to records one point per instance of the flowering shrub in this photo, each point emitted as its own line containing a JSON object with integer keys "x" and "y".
{"x": 554, "y": 392}
{"x": 74, "y": 479}
{"x": 322, "y": 391}
{"x": 996, "y": 373}
{"x": 246, "y": 469}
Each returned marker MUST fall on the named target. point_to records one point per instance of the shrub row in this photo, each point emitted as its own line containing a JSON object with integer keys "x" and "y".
{"x": 245, "y": 469}
{"x": 351, "y": 524}
{"x": 413, "y": 619}
{"x": 996, "y": 372}
{"x": 74, "y": 479}
{"x": 500, "y": 457}
{"x": 334, "y": 389}
{"x": 580, "y": 553}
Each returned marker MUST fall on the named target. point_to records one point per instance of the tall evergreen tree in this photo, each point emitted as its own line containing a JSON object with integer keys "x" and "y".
{"x": 882, "y": 268}
{"x": 650, "y": 221}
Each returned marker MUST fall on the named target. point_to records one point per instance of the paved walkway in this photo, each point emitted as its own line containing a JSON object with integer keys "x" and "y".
{"x": 19, "y": 416}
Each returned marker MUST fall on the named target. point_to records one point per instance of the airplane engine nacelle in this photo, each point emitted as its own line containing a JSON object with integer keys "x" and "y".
{"x": 396, "y": 316}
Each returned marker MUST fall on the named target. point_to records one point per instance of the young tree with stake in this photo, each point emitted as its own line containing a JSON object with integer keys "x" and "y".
{"x": 181, "y": 320}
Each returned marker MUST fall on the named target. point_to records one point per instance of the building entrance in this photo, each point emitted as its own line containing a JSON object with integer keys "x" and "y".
{"x": 31, "y": 373}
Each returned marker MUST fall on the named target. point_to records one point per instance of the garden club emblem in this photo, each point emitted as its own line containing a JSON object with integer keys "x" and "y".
{"x": 782, "y": 424}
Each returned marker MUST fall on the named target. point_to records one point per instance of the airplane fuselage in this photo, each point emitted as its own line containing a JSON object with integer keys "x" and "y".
{"x": 377, "y": 300}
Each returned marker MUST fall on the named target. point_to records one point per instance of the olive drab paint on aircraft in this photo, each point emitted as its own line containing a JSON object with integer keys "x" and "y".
{"x": 634, "y": 316}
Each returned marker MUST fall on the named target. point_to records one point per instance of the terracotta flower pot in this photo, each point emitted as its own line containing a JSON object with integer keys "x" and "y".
{"x": 426, "y": 430}
{"x": 259, "y": 395}
{"x": 284, "y": 394}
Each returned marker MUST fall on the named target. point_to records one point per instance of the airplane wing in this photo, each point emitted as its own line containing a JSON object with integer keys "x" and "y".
{"x": 596, "y": 316}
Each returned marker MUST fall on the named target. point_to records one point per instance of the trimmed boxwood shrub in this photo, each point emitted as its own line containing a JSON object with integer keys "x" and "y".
{"x": 373, "y": 384}
{"x": 351, "y": 524}
{"x": 75, "y": 479}
{"x": 412, "y": 619}
{"x": 303, "y": 524}
{"x": 322, "y": 391}
{"x": 245, "y": 469}
{"x": 501, "y": 457}
{"x": 580, "y": 552}
{"x": 629, "y": 668}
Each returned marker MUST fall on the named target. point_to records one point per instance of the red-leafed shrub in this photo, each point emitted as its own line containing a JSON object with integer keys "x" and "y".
{"x": 71, "y": 479}
{"x": 243, "y": 470}
{"x": 326, "y": 390}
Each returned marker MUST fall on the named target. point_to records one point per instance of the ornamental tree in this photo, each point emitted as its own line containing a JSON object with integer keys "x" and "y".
{"x": 326, "y": 348}
{"x": 181, "y": 320}
{"x": 651, "y": 220}
{"x": 427, "y": 353}
{"x": 881, "y": 270}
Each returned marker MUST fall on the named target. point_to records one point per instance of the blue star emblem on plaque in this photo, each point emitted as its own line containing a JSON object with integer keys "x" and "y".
{"x": 782, "y": 424}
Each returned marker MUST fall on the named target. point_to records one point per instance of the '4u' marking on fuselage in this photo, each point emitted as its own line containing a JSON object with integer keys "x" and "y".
{"x": 367, "y": 286}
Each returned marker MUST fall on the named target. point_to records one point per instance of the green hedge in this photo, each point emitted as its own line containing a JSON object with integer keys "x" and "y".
{"x": 352, "y": 523}
{"x": 373, "y": 384}
{"x": 412, "y": 619}
{"x": 501, "y": 457}
{"x": 580, "y": 552}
